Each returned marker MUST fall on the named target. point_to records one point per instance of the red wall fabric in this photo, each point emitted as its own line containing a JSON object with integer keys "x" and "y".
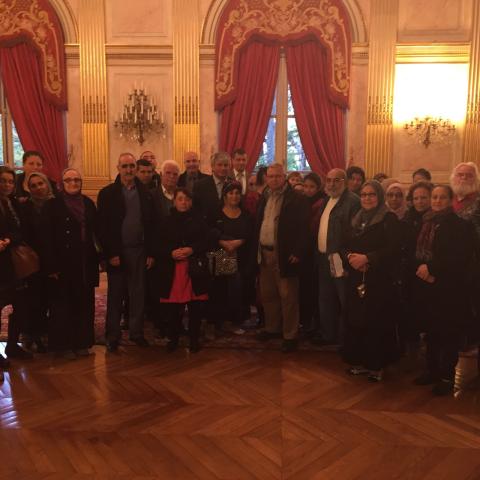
{"x": 244, "y": 122}
{"x": 321, "y": 123}
{"x": 39, "y": 124}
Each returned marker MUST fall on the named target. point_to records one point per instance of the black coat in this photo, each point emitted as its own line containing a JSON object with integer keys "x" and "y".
{"x": 111, "y": 212}
{"x": 182, "y": 179}
{"x": 381, "y": 242}
{"x": 206, "y": 201}
{"x": 7, "y": 226}
{"x": 180, "y": 230}
{"x": 292, "y": 233}
{"x": 446, "y": 304}
{"x": 62, "y": 250}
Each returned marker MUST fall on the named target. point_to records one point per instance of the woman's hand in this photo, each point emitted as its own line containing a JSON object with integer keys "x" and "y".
{"x": 358, "y": 261}
{"x": 4, "y": 243}
{"x": 182, "y": 253}
{"x": 423, "y": 273}
{"x": 231, "y": 245}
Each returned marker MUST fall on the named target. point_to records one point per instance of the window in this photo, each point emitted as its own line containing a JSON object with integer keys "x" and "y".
{"x": 11, "y": 149}
{"x": 282, "y": 141}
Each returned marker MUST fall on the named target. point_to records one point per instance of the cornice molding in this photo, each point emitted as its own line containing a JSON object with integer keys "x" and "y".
{"x": 433, "y": 53}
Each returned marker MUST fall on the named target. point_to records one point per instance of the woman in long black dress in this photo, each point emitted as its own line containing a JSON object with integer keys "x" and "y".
{"x": 370, "y": 337}
{"x": 70, "y": 259}
{"x": 443, "y": 253}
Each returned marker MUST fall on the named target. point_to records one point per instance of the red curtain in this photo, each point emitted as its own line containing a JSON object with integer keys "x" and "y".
{"x": 39, "y": 124}
{"x": 320, "y": 121}
{"x": 244, "y": 122}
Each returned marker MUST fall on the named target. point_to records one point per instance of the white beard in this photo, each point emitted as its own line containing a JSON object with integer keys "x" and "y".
{"x": 463, "y": 190}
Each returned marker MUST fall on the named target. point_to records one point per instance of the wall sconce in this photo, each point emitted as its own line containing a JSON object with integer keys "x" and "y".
{"x": 429, "y": 129}
{"x": 140, "y": 117}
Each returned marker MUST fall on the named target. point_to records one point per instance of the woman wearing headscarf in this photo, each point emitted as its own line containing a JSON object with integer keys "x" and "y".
{"x": 37, "y": 324}
{"x": 70, "y": 259}
{"x": 395, "y": 199}
{"x": 13, "y": 290}
{"x": 182, "y": 280}
{"x": 444, "y": 251}
{"x": 370, "y": 341}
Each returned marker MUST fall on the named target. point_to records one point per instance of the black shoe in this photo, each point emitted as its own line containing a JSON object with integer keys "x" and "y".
{"x": 425, "y": 379}
{"x": 141, "y": 342}
{"x": 4, "y": 363}
{"x": 289, "y": 346}
{"x": 172, "y": 346}
{"x": 15, "y": 351}
{"x": 194, "y": 346}
{"x": 443, "y": 387}
{"x": 112, "y": 346}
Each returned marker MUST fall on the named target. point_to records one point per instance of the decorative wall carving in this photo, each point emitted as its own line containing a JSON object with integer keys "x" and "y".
{"x": 37, "y": 23}
{"x": 283, "y": 21}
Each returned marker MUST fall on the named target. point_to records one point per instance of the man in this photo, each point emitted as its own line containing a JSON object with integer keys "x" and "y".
{"x": 152, "y": 159}
{"x": 333, "y": 221}
{"x": 207, "y": 193}
{"x": 239, "y": 164}
{"x": 192, "y": 173}
{"x": 421, "y": 175}
{"x": 127, "y": 237}
{"x": 145, "y": 173}
{"x": 355, "y": 179}
{"x": 281, "y": 236}
{"x": 163, "y": 195}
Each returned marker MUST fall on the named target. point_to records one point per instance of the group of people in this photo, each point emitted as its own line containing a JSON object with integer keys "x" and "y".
{"x": 365, "y": 267}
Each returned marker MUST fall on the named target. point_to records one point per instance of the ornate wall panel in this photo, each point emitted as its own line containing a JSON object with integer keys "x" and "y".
{"x": 186, "y": 38}
{"x": 93, "y": 87}
{"x": 471, "y": 151}
{"x": 381, "y": 72}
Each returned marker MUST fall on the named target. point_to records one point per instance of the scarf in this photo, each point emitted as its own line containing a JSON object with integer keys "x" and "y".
{"x": 425, "y": 239}
{"x": 364, "y": 218}
{"x": 399, "y": 212}
{"x": 39, "y": 202}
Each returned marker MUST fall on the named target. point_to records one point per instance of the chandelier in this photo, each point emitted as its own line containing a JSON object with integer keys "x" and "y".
{"x": 428, "y": 130}
{"x": 140, "y": 117}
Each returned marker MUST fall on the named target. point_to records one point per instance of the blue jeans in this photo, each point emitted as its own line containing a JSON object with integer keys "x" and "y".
{"x": 129, "y": 279}
{"x": 332, "y": 302}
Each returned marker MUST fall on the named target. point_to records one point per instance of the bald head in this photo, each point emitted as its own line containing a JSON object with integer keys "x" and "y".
{"x": 276, "y": 176}
{"x": 127, "y": 168}
{"x": 335, "y": 182}
{"x": 192, "y": 162}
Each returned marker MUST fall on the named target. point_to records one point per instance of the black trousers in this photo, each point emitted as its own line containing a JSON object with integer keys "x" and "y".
{"x": 72, "y": 315}
{"x": 173, "y": 313}
{"x": 37, "y": 323}
{"x": 442, "y": 354}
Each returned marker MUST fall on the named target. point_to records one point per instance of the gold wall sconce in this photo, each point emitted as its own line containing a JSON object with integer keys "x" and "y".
{"x": 140, "y": 117}
{"x": 429, "y": 129}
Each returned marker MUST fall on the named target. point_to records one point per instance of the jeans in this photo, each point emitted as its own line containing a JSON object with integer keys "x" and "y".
{"x": 129, "y": 279}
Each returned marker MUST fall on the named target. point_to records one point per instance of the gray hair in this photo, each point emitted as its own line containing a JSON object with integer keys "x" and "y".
{"x": 127, "y": 154}
{"x": 171, "y": 163}
{"x": 219, "y": 157}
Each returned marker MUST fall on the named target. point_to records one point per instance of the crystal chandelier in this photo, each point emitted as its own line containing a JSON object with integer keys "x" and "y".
{"x": 140, "y": 117}
{"x": 428, "y": 130}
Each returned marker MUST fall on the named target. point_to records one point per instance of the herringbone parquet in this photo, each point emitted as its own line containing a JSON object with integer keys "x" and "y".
{"x": 224, "y": 414}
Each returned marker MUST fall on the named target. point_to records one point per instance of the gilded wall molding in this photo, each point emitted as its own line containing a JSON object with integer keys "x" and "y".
{"x": 93, "y": 88}
{"x": 67, "y": 19}
{"x": 381, "y": 74}
{"x": 433, "y": 53}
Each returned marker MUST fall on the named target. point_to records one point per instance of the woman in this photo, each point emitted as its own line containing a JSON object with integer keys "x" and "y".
{"x": 69, "y": 258}
{"x": 419, "y": 195}
{"x": 32, "y": 162}
{"x": 37, "y": 324}
{"x": 12, "y": 233}
{"x": 234, "y": 229}
{"x": 395, "y": 199}
{"x": 182, "y": 272}
{"x": 443, "y": 253}
{"x": 370, "y": 342}
{"x": 308, "y": 292}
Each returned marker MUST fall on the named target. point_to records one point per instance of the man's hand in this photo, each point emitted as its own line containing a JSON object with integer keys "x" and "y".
{"x": 423, "y": 273}
{"x": 54, "y": 276}
{"x": 150, "y": 262}
{"x": 358, "y": 261}
{"x": 114, "y": 261}
{"x": 4, "y": 243}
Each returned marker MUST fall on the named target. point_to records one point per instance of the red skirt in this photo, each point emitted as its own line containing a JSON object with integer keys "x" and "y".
{"x": 182, "y": 291}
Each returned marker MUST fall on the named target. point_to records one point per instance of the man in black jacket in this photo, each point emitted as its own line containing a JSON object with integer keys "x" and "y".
{"x": 335, "y": 218}
{"x": 282, "y": 236}
{"x": 126, "y": 232}
{"x": 192, "y": 173}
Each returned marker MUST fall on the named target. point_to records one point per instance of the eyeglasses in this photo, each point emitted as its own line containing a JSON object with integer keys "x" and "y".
{"x": 368, "y": 195}
{"x": 72, "y": 180}
{"x": 334, "y": 180}
{"x": 128, "y": 165}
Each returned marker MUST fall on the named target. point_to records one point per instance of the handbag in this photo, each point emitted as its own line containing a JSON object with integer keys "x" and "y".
{"x": 222, "y": 263}
{"x": 25, "y": 261}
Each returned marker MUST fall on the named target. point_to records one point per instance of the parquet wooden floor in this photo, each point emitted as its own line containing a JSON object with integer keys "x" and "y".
{"x": 229, "y": 415}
